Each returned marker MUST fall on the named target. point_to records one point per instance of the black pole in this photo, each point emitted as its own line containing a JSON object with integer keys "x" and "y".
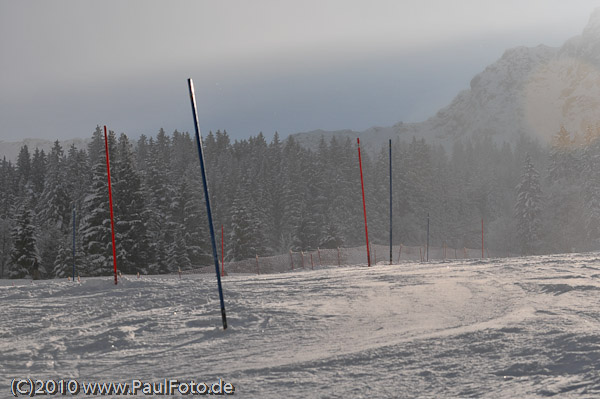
{"x": 207, "y": 199}
{"x": 391, "y": 201}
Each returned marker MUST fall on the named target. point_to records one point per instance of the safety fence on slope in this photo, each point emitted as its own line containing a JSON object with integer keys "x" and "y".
{"x": 337, "y": 257}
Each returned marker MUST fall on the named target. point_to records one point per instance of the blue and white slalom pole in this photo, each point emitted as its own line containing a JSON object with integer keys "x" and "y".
{"x": 207, "y": 199}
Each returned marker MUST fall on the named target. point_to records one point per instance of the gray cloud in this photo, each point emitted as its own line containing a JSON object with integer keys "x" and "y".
{"x": 69, "y": 65}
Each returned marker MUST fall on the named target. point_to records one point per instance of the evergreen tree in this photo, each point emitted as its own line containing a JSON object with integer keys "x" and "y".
{"x": 38, "y": 171}
{"x": 78, "y": 174}
{"x": 528, "y": 209}
{"x": 160, "y": 193}
{"x": 177, "y": 255}
{"x": 309, "y": 230}
{"x": 63, "y": 264}
{"x": 24, "y": 254}
{"x": 48, "y": 243}
{"x": 8, "y": 192}
{"x": 96, "y": 147}
{"x": 160, "y": 257}
{"x": 222, "y": 170}
{"x": 282, "y": 195}
{"x": 442, "y": 215}
{"x": 563, "y": 219}
{"x": 563, "y": 163}
{"x": 55, "y": 206}
{"x": 131, "y": 228}
{"x": 241, "y": 240}
{"x": 7, "y": 201}
{"x": 163, "y": 148}
{"x": 343, "y": 195}
{"x": 183, "y": 153}
{"x": 317, "y": 190}
{"x": 95, "y": 225}
{"x": 591, "y": 187}
{"x": 420, "y": 184}
{"x": 239, "y": 235}
{"x": 23, "y": 166}
{"x": 377, "y": 186}
{"x": 142, "y": 153}
{"x": 5, "y": 245}
{"x": 256, "y": 189}
{"x": 191, "y": 215}
{"x": 274, "y": 198}
{"x": 291, "y": 184}
{"x": 331, "y": 237}
{"x": 400, "y": 196}
{"x": 306, "y": 236}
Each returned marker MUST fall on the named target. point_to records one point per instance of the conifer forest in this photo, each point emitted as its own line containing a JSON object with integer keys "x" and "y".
{"x": 273, "y": 196}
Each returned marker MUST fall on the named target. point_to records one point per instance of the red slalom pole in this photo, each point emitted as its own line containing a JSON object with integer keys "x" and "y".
{"x": 362, "y": 186}
{"x": 112, "y": 217}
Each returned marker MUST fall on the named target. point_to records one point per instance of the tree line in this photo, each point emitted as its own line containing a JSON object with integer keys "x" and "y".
{"x": 274, "y": 196}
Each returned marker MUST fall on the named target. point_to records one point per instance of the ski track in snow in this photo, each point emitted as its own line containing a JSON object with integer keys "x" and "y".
{"x": 497, "y": 328}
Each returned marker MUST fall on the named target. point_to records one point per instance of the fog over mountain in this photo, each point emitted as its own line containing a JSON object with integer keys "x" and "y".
{"x": 529, "y": 90}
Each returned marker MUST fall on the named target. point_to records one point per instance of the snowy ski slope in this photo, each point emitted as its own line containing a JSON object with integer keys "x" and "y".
{"x": 498, "y": 328}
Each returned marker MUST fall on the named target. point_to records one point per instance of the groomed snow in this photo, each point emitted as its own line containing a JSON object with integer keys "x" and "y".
{"x": 499, "y": 328}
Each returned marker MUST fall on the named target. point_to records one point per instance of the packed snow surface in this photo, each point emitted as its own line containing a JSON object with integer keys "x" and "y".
{"x": 497, "y": 328}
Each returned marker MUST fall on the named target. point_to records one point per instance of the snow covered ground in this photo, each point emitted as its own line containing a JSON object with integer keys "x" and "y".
{"x": 498, "y": 328}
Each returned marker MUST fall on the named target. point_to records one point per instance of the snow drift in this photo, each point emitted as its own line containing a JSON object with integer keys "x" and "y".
{"x": 497, "y": 328}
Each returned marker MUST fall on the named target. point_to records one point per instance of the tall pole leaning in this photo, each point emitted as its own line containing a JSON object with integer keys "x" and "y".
{"x": 362, "y": 186}
{"x": 110, "y": 199}
{"x": 207, "y": 200}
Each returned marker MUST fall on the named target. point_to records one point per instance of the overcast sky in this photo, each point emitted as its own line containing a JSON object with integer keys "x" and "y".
{"x": 258, "y": 65}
